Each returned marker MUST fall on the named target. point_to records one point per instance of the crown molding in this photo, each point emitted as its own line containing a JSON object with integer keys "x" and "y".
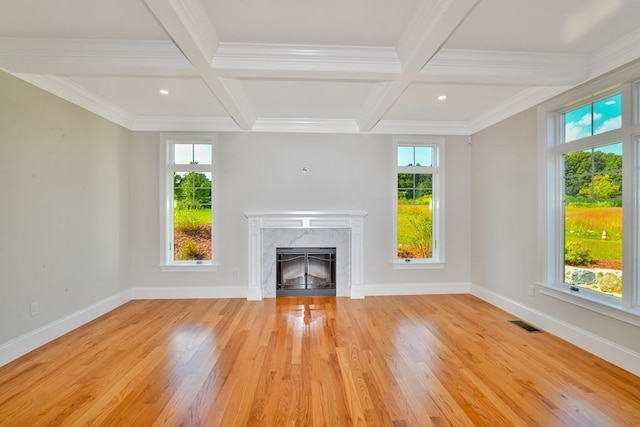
{"x": 421, "y": 127}
{"x": 307, "y": 58}
{"x": 103, "y": 56}
{"x": 78, "y": 95}
{"x": 501, "y": 67}
{"x": 623, "y": 51}
{"x": 305, "y": 125}
{"x": 528, "y": 98}
{"x": 183, "y": 124}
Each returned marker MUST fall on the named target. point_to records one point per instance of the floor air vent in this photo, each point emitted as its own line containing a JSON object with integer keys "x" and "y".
{"x": 524, "y": 325}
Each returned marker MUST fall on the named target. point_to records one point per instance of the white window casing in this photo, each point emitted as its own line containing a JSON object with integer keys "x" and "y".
{"x": 168, "y": 167}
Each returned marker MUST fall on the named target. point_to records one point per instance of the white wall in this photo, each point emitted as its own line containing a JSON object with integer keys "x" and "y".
{"x": 264, "y": 172}
{"x": 504, "y": 234}
{"x": 64, "y": 208}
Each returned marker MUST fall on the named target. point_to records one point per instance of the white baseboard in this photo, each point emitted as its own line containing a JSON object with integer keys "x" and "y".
{"x": 22, "y": 345}
{"x": 254, "y": 293}
{"x": 601, "y": 347}
{"x": 357, "y": 292}
{"x": 417, "y": 289}
{"x": 186, "y": 292}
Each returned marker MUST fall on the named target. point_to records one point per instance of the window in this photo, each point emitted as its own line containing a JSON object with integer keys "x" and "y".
{"x": 593, "y": 119}
{"x": 589, "y": 181}
{"x": 593, "y": 218}
{"x": 418, "y": 201}
{"x": 188, "y": 211}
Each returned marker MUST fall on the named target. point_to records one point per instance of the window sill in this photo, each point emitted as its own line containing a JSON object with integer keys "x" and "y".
{"x": 625, "y": 314}
{"x": 180, "y": 268}
{"x": 416, "y": 265}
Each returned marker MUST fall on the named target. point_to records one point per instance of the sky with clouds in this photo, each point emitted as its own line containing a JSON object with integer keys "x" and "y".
{"x": 593, "y": 119}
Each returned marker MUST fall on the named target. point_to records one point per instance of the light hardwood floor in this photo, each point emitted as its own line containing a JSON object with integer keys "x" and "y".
{"x": 387, "y": 361}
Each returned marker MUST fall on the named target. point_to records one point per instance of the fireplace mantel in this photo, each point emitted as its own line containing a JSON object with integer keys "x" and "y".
{"x": 353, "y": 220}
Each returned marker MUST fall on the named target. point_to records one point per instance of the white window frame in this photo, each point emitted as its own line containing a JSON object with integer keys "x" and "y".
{"x": 551, "y": 193}
{"x": 437, "y": 170}
{"x": 167, "y": 169}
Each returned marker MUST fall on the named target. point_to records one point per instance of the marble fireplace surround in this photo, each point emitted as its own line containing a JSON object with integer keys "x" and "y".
{"x": 340, "y": 229}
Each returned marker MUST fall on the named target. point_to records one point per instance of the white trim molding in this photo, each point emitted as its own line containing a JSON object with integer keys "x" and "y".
{"x": 23, "y": 344}
{"x": 189, "y": 292}
{"x": 418, "y": 289}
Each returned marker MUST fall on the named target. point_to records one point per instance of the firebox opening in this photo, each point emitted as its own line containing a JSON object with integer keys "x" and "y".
{"x": 305, "y": 271}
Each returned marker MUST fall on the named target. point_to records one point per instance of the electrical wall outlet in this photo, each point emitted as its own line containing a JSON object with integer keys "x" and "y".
{"x": 532, "y": 291}
{"x": 35, "y": 308}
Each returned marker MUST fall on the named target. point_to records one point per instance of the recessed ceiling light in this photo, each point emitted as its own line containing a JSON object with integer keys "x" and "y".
{"x": 164, "y": 91}
{"x": 442, "y": 97}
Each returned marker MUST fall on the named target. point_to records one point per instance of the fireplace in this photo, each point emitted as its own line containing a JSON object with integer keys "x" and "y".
{"x": 305, "y": 271}
{"x": 268, "y": 231}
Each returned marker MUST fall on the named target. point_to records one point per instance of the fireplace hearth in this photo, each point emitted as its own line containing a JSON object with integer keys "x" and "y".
{"x": 305, "y": 271}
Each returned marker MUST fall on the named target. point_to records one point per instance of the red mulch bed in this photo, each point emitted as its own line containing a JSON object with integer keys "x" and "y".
{"x": 613, "y": 265}
{"x": 201, "y": 236}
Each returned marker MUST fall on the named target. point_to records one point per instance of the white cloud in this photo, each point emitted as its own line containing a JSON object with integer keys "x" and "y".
{"x": 585, "y": 120}
{"x": 611, "y": 124}
{"x": 578, "y": 129}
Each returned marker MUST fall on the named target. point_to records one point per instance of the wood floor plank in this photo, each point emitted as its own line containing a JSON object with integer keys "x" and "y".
{"x": 316, "y": 361}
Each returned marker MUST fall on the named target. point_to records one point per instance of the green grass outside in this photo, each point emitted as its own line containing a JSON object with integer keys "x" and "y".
{"x": 604, "y": 250}
{"x": 186, "y": 218}
{"x": 585, "y": 224}
{"x": 406, "y": 230}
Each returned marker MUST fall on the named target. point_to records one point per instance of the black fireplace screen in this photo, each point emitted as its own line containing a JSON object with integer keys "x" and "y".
{"x": 305, "y": 271}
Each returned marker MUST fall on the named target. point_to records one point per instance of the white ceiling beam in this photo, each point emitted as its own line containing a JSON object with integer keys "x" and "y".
{"x": 421, "y": 127}
{"x": 260, "y": 59}
{"x": 505, "y": 68}
{"x": 80, "y": 96}
{"x": 430, "y": 27}
{"x": 432, "y": 24}
{"x": 187, "y": 24}
{"x": 306, "y": 125}
{"x": 93, "y": 57}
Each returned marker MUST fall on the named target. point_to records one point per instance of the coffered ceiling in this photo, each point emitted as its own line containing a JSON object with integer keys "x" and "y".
{"x": 370, "y": 66}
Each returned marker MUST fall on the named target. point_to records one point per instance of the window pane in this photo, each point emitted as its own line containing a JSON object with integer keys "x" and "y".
{"x": 202, "y": 154}
{"x": 607, "y": 114}
{"x": 577, "y": 124}
{"x": 423, "y": 156}
{"x": 182, "y": 154}
{"x": 405, "y": 156}
{"x": 192, "y": 216}
{"x": 405, "y": 180}
{"x": 423, "y": 181}
{"x": 609, "y": 157}
{"x": 415, "y": 156}
{"x": 593, "y": 119}
{"x": 593, "y": 219}
{"x": 185, "y": 154}
{"x": 415, "y": 227}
